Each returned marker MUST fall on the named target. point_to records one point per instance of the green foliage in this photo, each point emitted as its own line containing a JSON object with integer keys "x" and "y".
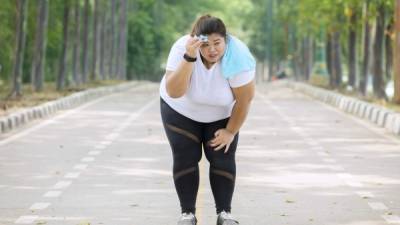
{"x": 7, "y": 39}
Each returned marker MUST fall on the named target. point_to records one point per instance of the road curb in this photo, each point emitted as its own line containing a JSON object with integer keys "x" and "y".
{"x": 19, "y": 118}
{"x": 376, "y": 114}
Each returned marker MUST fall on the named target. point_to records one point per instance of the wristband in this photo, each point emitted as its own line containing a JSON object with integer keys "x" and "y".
{"x": 189, "y": 59}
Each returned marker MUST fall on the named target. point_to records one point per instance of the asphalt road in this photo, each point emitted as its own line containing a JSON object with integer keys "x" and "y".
{"x": 299, "y": 162}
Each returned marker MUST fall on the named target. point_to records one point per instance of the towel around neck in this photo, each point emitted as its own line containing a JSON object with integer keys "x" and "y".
{"x": 237, "y": 58}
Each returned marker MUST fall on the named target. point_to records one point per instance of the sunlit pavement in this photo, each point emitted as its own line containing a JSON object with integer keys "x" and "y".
{"x": 108, "y": 162}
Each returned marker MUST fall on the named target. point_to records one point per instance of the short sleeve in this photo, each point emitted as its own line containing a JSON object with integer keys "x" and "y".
{"x": 242, "y": 79}
{"x": 176, "y": 54}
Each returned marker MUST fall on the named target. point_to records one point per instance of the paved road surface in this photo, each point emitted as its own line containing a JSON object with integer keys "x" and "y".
{"x": 108, "y": 162}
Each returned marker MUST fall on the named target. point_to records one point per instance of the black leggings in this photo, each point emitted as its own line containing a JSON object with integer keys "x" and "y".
{"x": 187, "y": 138}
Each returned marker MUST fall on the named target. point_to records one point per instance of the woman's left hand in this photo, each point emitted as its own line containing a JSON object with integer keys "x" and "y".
{"x": 222, "y": 138}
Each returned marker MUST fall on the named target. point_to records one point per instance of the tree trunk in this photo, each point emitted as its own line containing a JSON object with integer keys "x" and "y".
{"x": 121, "y": 57}
{"x": 76, "y": 61}
{"x": 396, "y": 98}
{"x": 378, "y": 81}
{"x": 353, "y": 49}
{"x": 329, "y": 50}
{"x": 336, "y": 60}
{"x": 389, "y": 50}
{"x": 366, "y": 51}
{"x": 63, "y": 60}
{"x": 39, "y": 52}
{"x": 95, "y": 39}
{"x": 103, "y": 33}
{"x": 85, "y": 42}
{"x": 112, "y": 41}
{"x": 22, "y": 6}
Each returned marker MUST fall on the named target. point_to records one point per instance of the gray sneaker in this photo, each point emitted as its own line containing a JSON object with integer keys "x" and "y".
{"x": 226, "y": 218}
{"x": 187, "y": 219}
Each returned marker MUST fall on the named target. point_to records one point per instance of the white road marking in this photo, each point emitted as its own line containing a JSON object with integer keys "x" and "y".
{"x": 72, "y": 175}
{"x": 100, "y": 146}
{"x": 377, "y": 206}
{"x": 87, "y": 159}
{"x": 112, "y": 136}
{"x": 80, "y": 166}
{"x": 391, "y": 219}
{"x": 354, "y": 184}
{"x": 365, "y": 194}
{"x": 62, "y": 184}
{"x": 52, "y": 120}
{"x": 39, "y": 205}
{"x": 26, "y": 219}
{"x": 94, "y": 152}
{"x": 323, "y": 154}
{"x": 52, "y": 194}
{"x": 105, "y": 143}
{"x": 329, "y": 160}
{"x": 63, "y": 218}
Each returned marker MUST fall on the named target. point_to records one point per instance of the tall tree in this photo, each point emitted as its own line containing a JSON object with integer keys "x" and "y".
{"x": 76, "y": 57}
{"x": 85, "y": 48}
{"x": 39, "y": 54}
{"x": 103, "y": 33}
{"x": 112, "y": 40}
{"x": 336, "y": 59}
{"x": 396, "y": 98}
{"x": 121, "y": 57}
{"x": 63, "y": 60}
{"x": 378, "y": 77}
{"x": 352, "y": 59}
{"x": 19, "y": 48}
{"x": 95, "y": 40}
{"x": 366, "y": 50}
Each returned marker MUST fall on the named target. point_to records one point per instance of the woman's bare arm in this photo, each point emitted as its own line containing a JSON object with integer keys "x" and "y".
{"x": 177, "y": 82}
{"x": 243, "y": 96}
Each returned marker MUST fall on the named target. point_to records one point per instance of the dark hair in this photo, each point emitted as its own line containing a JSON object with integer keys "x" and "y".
{"x": 208, "y": 24}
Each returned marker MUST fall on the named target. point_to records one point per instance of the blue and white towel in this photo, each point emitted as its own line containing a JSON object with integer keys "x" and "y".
{"x": 237, "y": 58}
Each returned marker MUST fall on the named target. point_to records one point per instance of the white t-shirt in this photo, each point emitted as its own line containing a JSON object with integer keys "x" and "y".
{"x": 209, "y": 96}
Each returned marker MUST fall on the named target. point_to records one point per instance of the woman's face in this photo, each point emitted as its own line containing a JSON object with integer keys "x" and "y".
{"x": 213, "y": 50}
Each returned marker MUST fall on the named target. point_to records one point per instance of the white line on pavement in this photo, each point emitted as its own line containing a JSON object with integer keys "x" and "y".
{"x": 39, "y": 205}
{"x": 377, "y": 206}
{"x": 72, "y": 175}
{"x": 80, "y": 166}
{"x": 106, "y": 143}
{"x": 52, "y": 194}
{"x": 354, "y": 184}
{"x": 26, "y": 219}
{"x": 365, "y": 194}
{"x": 62, "y": 184}
{"x": 391, "y": 219}
{"x": 94, "y": 152}
{"x": 100, "y": 146}
{"x": 50, "y": 121}
{"x": 323, "y": 154}
{"x": 87, "y": 159}
{"x": 329, "y": 160}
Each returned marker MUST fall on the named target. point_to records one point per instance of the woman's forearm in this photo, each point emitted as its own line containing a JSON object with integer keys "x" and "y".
{"x": 239, "y": 114}
{"x": 178, "y": 81}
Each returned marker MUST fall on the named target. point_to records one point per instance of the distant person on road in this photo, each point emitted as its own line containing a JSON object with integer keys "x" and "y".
{"x": 206, "y": 94}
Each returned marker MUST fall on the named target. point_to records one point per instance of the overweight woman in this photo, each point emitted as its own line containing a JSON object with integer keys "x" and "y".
{"x": 206, "y": 94}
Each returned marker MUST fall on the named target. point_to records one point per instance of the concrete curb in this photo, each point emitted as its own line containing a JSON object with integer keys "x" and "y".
{"x": 24, "y": 116}
{"x": 378, "y": 115}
